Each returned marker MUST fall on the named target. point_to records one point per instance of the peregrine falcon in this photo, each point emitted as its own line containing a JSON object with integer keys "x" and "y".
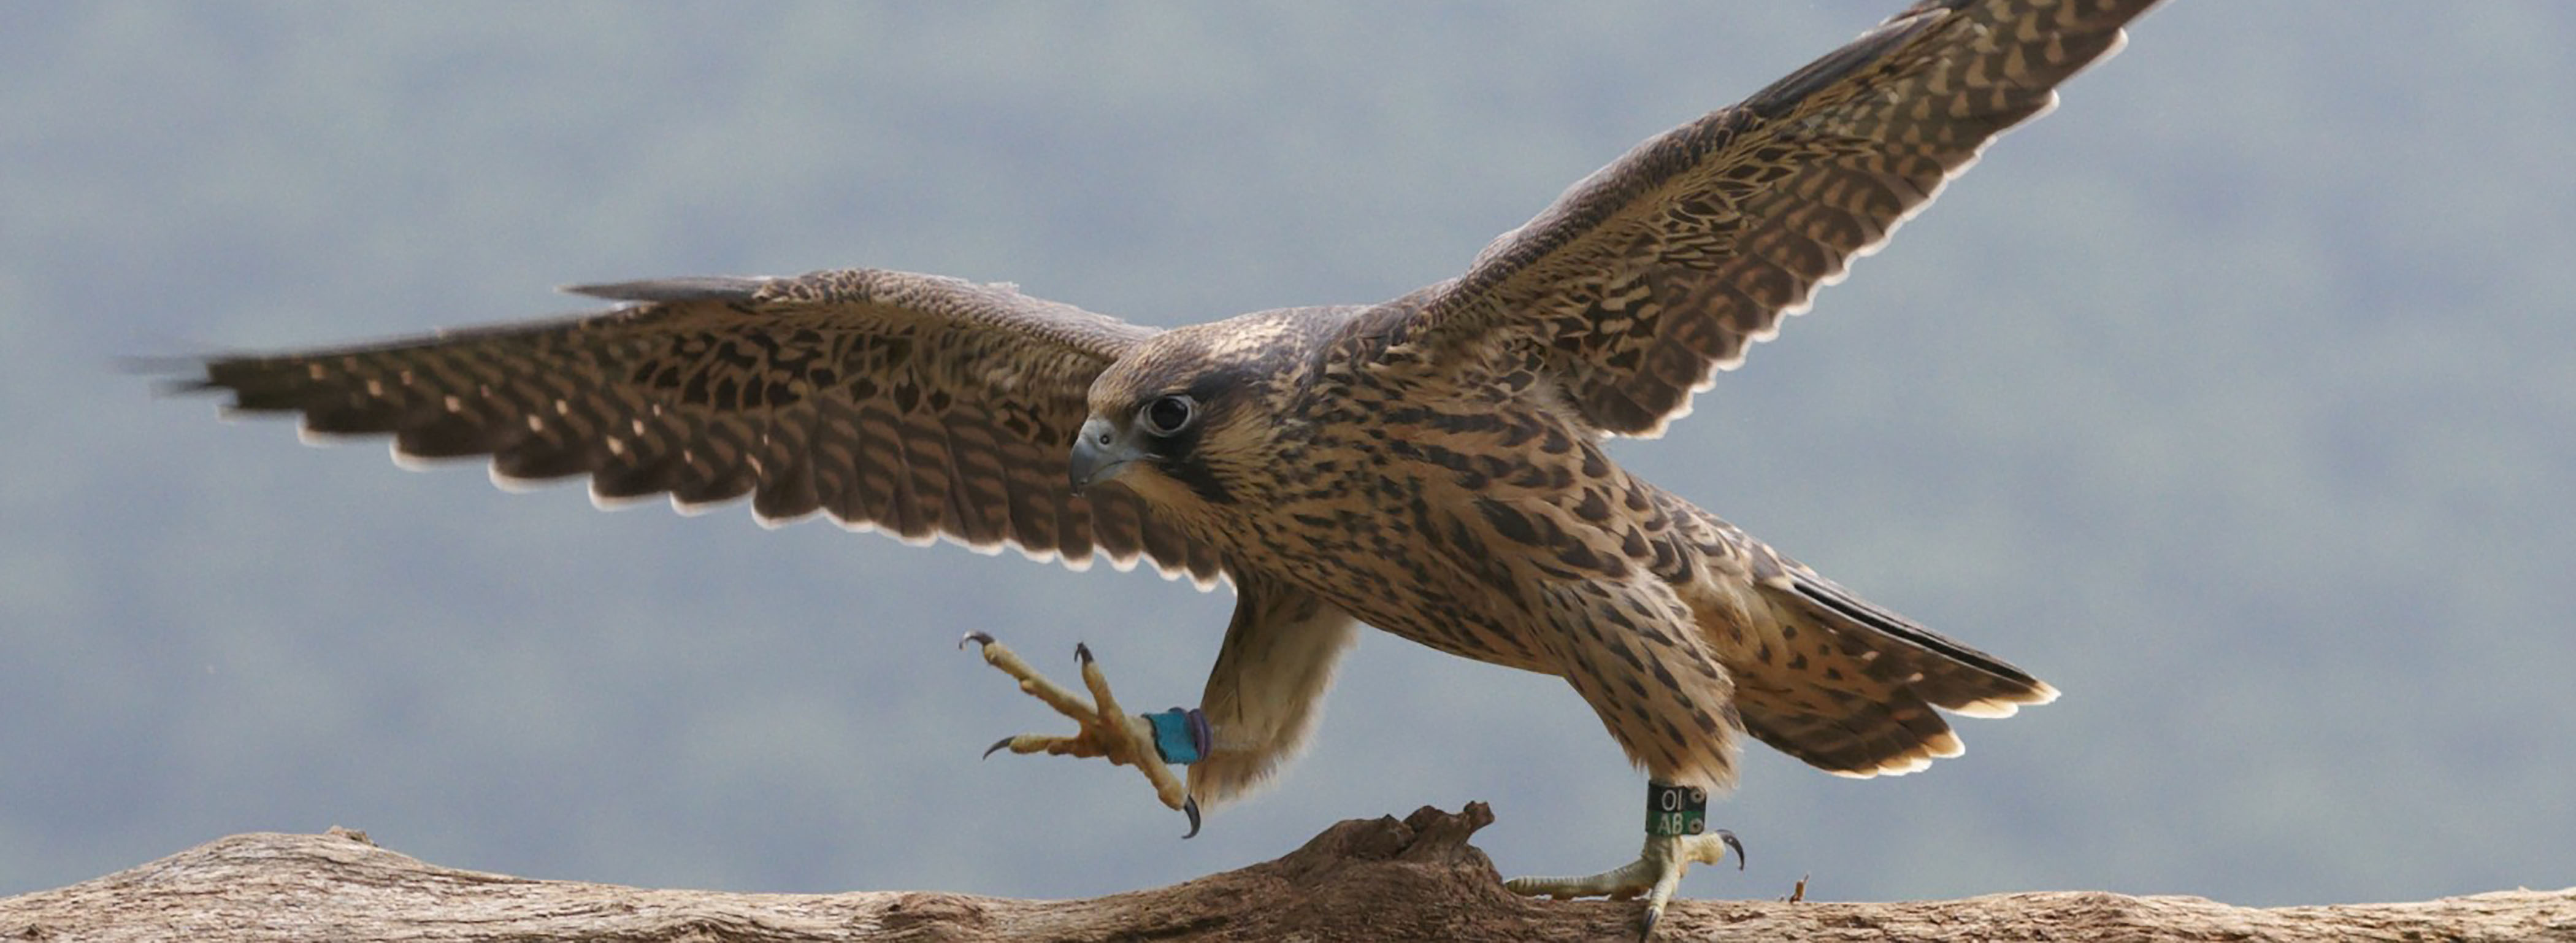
{"x": 1432, "y": 465}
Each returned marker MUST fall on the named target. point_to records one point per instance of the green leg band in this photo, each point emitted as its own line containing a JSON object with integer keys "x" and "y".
{"x": 1676, "y": 810}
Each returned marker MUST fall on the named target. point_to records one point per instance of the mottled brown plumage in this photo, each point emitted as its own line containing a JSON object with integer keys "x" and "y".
{"x": 1431, "y": 466}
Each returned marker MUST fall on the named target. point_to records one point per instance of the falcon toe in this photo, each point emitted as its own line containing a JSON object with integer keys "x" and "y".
{"x": 1103, "y": 728}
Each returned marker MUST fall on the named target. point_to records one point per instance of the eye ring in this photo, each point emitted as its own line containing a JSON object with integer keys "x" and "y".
{"x": 1168, "y": 415}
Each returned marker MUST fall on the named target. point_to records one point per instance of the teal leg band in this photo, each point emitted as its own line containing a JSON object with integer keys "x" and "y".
{"x": 1181, "y": 735}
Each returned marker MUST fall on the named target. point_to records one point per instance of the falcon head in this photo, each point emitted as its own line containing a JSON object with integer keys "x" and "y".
{"x": 1194, "y": 418}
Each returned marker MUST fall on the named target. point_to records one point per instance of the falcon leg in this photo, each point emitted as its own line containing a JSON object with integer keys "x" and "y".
{"x": 1676, "y": 838}
{"x": 1146, "y": 742}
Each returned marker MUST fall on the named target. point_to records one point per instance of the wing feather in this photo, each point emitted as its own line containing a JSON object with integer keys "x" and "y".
{"x": 922, "y": 406}
{"x": 1652, "y": 273}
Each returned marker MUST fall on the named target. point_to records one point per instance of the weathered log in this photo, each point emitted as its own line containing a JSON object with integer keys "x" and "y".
{"x": 1382, "y": 879}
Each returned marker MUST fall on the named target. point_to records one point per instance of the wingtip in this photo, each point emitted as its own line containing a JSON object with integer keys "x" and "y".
{"x": 171, "y": 375}
{"x": 169, "y": 386}
{"x": 687, "y": 288}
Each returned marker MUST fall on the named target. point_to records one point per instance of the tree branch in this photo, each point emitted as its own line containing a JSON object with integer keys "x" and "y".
{"x": 1379, "y": 879}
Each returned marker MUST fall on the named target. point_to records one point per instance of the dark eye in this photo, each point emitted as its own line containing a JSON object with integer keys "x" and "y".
{"x": 1168, "y": 415}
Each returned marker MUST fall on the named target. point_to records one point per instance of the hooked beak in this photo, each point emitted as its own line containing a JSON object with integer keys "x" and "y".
{"x": 1100, "y": 453}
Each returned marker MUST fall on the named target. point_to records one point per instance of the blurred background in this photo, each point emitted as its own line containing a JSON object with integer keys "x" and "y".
{"x": 2237, "y": 399}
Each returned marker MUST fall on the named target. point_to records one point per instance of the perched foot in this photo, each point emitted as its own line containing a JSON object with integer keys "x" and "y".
{"x": 1106, "y": 730}
{"x": 1655, "y": 873}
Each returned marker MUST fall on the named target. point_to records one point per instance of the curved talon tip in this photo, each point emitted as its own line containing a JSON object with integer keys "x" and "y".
{"x": 1190, "y": 807}
{"x": 1652, "y": 914}
{"x": 1082, "y": 653}
{"x": 1729, "y": 838}
{"x": 978, "y": 638}
{"x": 1006, "y": 741}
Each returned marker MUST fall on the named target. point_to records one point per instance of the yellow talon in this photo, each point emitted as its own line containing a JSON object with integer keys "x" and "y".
{"x": 1656, "y": 873}
{"x": 1106, "y": 730}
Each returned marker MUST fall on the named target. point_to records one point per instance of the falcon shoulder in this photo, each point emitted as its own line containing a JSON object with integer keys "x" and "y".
{"x": 1646, "y": 277}
{"x": 914, "y": 404}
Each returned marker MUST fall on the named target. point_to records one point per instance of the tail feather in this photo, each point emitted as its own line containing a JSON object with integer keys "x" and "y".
{"x": 1863, "y": 703}
{"x": 1955, "y": 678}
{"x": 1834, "y": 680}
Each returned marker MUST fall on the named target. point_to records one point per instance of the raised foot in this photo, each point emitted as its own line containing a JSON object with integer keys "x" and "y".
{"x": 1657, "y": 870}
{"x": 1106, "y": 730}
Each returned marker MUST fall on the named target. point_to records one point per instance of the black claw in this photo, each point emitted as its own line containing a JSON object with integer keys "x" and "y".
{"x": 1729, "y": 838}
{"x": 1082, "y": 653}
{"x": 1190, "y": 807}
{"x": 1006, "y": 741}
{"x": 1649, "y": 932}
{"x": 978, "y": 638}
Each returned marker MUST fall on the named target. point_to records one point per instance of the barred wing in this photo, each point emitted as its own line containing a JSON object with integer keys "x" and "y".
{"x": 919, "y": 405}
{"x": 1660, "y": 268}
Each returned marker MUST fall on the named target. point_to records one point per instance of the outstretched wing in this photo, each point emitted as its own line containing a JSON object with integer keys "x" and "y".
{"x": 1660, "y": 268}
{"x": 919, "y": 405}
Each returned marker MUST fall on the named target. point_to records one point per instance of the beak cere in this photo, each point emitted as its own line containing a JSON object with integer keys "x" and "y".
{"x": 1100, "y": 452}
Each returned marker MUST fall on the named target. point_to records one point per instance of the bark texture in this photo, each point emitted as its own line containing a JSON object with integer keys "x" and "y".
{"x": 1381, "y": 879}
